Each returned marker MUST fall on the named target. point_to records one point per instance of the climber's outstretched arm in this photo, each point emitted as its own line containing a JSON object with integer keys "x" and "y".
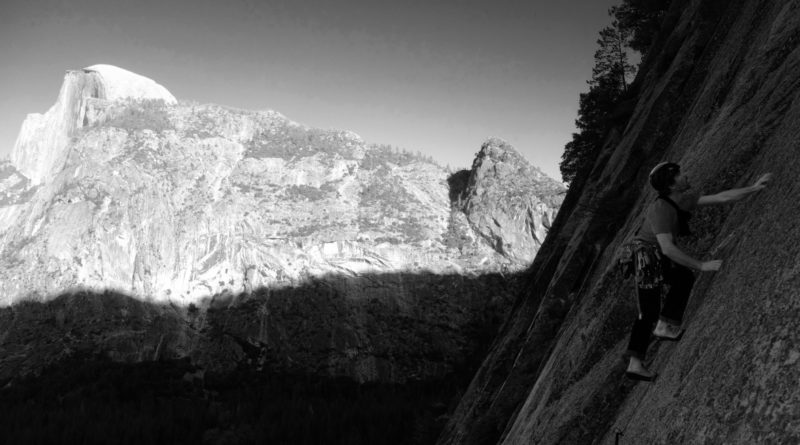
{"x": 734, "y": 195}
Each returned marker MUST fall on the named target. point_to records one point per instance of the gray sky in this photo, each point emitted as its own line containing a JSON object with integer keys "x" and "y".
{"x": 436, "y": 77}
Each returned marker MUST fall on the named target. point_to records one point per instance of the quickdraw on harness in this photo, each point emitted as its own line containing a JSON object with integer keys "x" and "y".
{"x": 645, "y": 259}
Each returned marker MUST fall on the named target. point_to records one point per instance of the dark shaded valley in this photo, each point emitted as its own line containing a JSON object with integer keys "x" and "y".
{"x": 304, "y": 365}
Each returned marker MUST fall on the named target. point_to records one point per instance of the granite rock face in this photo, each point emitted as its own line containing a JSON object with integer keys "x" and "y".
{"x": 716, "y": 94}
{"x": 121, "y": 189}
{"x": 41, "y": 147}
{"x": 44, "y": 140}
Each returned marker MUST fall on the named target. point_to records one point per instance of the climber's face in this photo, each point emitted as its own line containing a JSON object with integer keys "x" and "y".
{"x": 681, "y": 183}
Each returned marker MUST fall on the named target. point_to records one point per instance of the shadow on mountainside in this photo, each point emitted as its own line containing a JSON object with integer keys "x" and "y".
{"x": 457, "y": 185}
{"x": 370, "y": 359}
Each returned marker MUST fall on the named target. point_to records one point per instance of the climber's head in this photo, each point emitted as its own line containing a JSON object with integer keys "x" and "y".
{"x": 666, "y": 178}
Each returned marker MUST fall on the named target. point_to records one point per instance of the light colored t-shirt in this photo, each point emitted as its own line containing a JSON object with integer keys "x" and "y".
{"x": 661, "y": 217}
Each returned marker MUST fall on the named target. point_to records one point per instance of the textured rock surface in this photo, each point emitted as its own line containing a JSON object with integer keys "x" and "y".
{"x": 186, "y": 204}
{"x": 717, "y": 95}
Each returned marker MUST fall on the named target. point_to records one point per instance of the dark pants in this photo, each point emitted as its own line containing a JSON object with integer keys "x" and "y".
{"x": 680, "y": 280}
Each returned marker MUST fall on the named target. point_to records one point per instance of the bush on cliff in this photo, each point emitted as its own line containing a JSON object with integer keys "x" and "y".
{"x": 381, "y": 154}
{"x": 291, "y": 141}
{"x": 142, "y": 114}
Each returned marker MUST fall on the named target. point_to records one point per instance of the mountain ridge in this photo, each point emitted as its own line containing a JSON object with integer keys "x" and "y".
{"x": 224, "y": 162}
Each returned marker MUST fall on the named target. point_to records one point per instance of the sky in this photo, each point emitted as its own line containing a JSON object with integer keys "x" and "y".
{"x": 438, "y": 77}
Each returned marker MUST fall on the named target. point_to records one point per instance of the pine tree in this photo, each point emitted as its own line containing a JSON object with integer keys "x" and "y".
{"x": 609, "y": 81}
{"x": 611, "y": 58}
{"x": 641, "y": 20}
{"x": 635, "y": 25}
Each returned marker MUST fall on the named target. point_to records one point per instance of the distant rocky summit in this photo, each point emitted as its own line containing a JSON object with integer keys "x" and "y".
{"x": 120, "y": 188}
{"x": 42, "y": 145}
{"x": 115, "y": 83}
{"x": 510, "y": 202}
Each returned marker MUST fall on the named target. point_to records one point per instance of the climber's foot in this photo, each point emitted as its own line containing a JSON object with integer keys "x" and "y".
{"x": 637, "y": 371}
{"x": 668, "y": 332}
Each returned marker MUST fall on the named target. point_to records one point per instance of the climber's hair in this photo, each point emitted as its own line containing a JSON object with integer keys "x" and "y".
{"x": 662, "y": 177}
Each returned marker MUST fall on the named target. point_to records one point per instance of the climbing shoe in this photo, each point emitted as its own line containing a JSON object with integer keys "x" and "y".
{"x": 668, "y": 334}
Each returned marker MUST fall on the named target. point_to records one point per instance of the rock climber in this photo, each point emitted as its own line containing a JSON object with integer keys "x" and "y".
{"x": 659, "y": 261}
